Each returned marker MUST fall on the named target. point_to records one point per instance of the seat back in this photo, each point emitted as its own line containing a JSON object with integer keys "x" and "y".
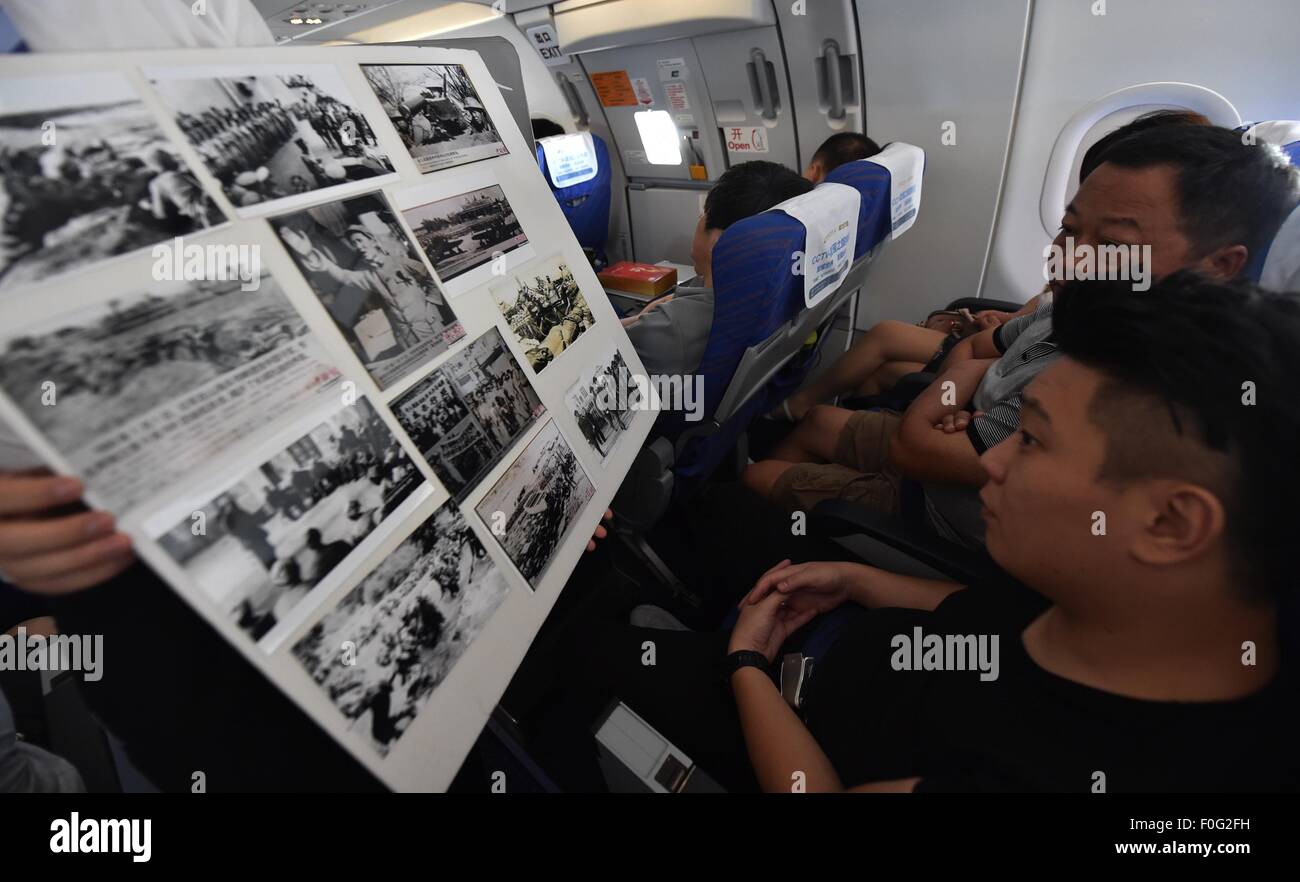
{"x": 1278, "y": 266}
{"x": 757, "y": 353}
{"x": 585, "y": 205}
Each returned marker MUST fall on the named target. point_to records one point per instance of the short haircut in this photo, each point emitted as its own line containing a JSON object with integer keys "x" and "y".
{"x": 1174, "y": 401}
{"x": 1229, "y": 192}
{"x": 748, "y": 189}
{"x": 844, "y": 147}
{"x": 545, "y": 128}
{"x": 1156, "y": 118}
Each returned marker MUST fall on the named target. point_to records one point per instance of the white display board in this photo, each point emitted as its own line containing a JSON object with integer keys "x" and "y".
{"x": 311, "y": 324}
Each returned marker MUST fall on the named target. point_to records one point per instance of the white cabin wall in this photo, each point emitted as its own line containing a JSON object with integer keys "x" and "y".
{"x": 1244, "y": 50}
{"x": 927, "y": 63}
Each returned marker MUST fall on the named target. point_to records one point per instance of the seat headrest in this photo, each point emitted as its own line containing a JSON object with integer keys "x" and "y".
{"x": 1284, "y": 133}
{"x": 1281, "y": 270}
{"x": 583, "y": 184}
{"x": 874, "y": 180}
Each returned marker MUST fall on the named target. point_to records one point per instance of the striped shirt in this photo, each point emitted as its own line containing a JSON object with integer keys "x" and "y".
{"x": 1026, "y": 347}
{"x": 953, "y": 510}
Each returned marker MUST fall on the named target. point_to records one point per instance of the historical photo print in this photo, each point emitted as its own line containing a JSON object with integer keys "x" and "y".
{"x": 259, "y": 547}
{"x": 86, "y": 174}
{"x": 437, "y": 113}
{"x": 544, "y": 308}
{"x": 393, "y": 638}
{"x": 141, "y": 389}
{"x": 361, "y": 264}
{"x": 532, "y": 506}
{"x": 273, "y": 133}
{"x": 466, "y": 231}
{"x": 600, "y": 403}
{"x": 469, "y": 412}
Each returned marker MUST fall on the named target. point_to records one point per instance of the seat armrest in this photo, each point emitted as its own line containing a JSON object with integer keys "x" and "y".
{"x": 979, "y": 304}
{"x": 838, "y": 518}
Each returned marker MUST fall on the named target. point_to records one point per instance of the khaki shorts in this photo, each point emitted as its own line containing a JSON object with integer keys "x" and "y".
{"x": 860, "y": 473}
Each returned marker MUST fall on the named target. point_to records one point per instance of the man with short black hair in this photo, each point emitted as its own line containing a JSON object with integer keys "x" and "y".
{"x": 671, "y": 333}
{"x": 1196, "y": 195}
{"x": 837, "y": 150}
{"x": 1138, "y": 647}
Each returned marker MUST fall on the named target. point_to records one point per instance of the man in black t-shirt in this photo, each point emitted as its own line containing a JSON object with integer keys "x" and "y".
{"x": 1138, "y": 500}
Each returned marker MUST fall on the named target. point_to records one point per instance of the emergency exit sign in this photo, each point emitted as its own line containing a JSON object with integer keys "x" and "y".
{"x": 548, "y": 45}
{"x": 746, "y": 139}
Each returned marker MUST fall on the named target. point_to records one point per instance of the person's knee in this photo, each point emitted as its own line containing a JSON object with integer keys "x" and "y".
{"x": 761, "y": 477}
{"x": 826, "y": 421}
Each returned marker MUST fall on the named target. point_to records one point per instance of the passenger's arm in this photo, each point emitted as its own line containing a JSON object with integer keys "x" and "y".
{"x": 925, "y": 453}
{"x": 781, "y": 748}
{"x": 657, "y": 338}
{"x": 826, "y": 584}
{"x": 985, "y": 344}
{"x": 979, "y": 345}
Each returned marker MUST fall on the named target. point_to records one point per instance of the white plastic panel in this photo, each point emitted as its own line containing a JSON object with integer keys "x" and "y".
{"x": 750, "y": 92}
{"x": 591, "y": 25}
{"x": 663, "y": 222}
{"x": 827, "y": 91}
{"x": 941, "y": 66}
{"x": 1244, "y": 51}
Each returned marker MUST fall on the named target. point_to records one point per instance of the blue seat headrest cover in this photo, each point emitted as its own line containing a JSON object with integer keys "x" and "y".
{"x": 585, "y": 205}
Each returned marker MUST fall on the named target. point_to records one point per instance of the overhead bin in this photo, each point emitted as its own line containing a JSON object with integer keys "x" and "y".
{"x": 592, "y": 25}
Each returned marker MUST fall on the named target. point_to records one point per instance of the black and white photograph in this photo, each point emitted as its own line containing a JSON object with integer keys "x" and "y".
{"x": 275, "y": 132}
{"x": 466, "y": 415}
{"x": 437, "y": 112}
{"x": 463, "y": 232}
{"x": 531, "y": 507}
{"x": 544, "y": 308}
{"x": 86, "y": 175}
{"x": 361, "y": 264}
{"x": 392, "y": 640}
{"x": 259, "y": 547}
{"x": 601, "y": 404}
{"x": 138, "y": 390}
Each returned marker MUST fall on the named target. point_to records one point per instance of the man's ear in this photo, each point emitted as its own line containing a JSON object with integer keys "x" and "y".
{"x": 1183, "y": 522}
{"x": 1226, "y": 263}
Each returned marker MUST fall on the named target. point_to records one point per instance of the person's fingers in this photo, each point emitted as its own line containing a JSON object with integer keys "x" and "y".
{"x": 83, "y": 579}
{"x": 591, "y": 544}
{"x": 34, "y": 494}
{"x": 608, "y": 515}
{"x": 28, "y": 538}
{"x": 807, "y": 577}
{"x": 764, "y": 584}
{"x": 42, "y": 568}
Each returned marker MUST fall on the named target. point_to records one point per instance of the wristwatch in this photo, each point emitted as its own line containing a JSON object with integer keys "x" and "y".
{"x": 745, "y": 658}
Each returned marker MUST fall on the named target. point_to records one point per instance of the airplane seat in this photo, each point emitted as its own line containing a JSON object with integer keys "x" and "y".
{"x": 756, "y": 355}
{"x": 1278, "y": 267}
{"x": 586, "y": 204}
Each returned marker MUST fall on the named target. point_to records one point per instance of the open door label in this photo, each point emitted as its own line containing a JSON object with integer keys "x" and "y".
{"x": 747, "y": 139}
